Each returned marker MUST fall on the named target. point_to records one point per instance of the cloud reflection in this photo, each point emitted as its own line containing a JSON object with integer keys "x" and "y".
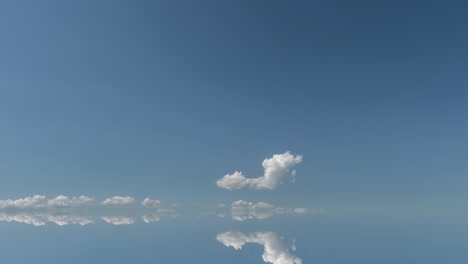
{"x": 37, "y": 210}
{"x": 275, "y": 250}
{"x": 122, "y": 210}
{"x": 119, "y": 220}
{"x": 243, "y": 210}
{"x": 40, "y": 219}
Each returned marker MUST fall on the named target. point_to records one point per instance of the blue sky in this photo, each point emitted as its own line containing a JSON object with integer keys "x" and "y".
{"x": 162, "y": 98}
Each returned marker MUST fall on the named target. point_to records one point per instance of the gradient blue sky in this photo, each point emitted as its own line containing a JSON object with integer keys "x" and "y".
{"x": 162, "y": 98}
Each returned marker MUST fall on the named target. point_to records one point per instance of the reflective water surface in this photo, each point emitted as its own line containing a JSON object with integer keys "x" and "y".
{"x": 120, "y": 229}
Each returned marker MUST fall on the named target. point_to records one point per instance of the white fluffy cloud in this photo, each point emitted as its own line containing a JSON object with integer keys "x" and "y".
{"x": 118, "y": 200}
{"x": 35, "y": 201}
{"x": 275, "y": 250}
{"x": 118, "y": 220}
{"x": 275, "y": 168}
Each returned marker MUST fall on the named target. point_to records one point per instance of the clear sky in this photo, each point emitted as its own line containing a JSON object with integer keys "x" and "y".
{"x": 162, "y": 99}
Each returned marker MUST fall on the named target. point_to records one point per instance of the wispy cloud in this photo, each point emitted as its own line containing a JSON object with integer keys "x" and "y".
{"x": 275, "y": 250}
{"x": 275, "y": 168}
{"x": 118, "y": 200}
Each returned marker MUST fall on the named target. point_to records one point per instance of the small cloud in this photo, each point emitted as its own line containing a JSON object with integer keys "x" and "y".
{"x": 275, "y": 250}
{"x": 148, "y": 218}
{"x": 301, "y": 210}
{"x": 118, "y": 200}
{"x": 151, "y": 202}
{"x": 118, "y": 220}
{"x": 275, "y": 170}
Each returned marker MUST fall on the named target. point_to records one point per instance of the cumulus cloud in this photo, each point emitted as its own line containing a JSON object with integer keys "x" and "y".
{"x": 275, "y": 250}
{"x": 118, "y": 200}
{"x": 275, "y": 169}
{"x": 118, "y": 220}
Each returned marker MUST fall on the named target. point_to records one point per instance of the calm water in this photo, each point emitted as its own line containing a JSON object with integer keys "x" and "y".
{"x": 182, "y": 234}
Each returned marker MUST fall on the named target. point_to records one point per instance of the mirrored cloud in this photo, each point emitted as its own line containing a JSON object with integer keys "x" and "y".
{"x": 66, "y": 219}
{"x": 118, "y": 220}
{"x": 25, "y": 218}
{"x": 40, "y": 219}
{"x": 275, "y": 250}
{"x": 149, "y": 218}
{"x": 82, "y": 210}
{"x": 148, "y": 202}
{"x": 243, "y": 210}
{"x": 276, "y": 169}
{"x": 118, "y": 200}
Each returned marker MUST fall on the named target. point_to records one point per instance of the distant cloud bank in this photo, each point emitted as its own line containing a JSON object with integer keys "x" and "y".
{"x": 243, "y": 210}
{"x": 82, "y": 210}
{"x": 275, "y": 168}
{"x": 40, "y": 201}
